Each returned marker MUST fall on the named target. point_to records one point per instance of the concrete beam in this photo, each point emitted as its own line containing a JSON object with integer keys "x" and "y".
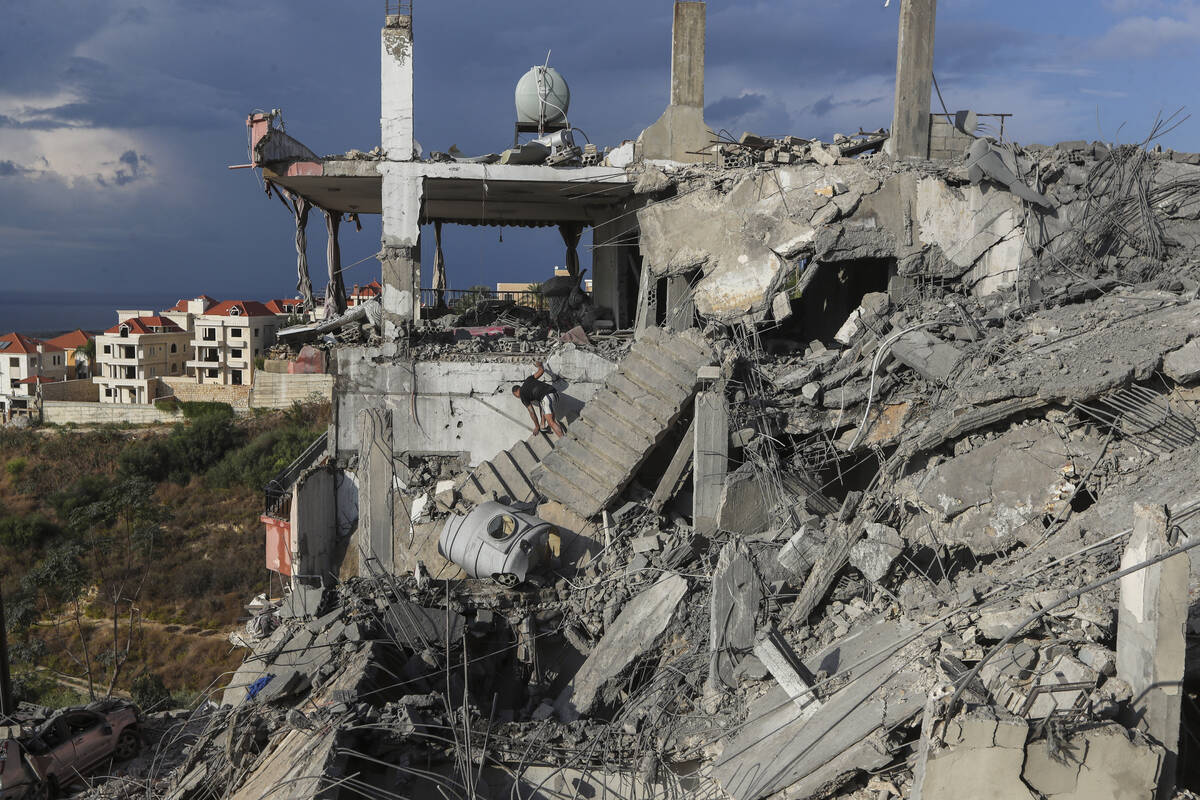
{"x": 1151, "y": 642}
{"x": 914, "y": 79}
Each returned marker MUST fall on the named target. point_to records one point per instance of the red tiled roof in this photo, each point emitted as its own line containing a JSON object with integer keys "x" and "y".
{"x": 182, "y": 304}
{"x": 246, "y": 308}
{"x": 69, "y": 341}
{"x": 145, "y": 324}
{"x": 37, "y": 379}
{"x": 20, "y": 343}
{"x": 369, "y": 290}
{"x": 277, "y": 306}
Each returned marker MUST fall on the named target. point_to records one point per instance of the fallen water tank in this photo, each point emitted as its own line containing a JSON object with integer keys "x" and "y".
{"x": 543, "y": 98}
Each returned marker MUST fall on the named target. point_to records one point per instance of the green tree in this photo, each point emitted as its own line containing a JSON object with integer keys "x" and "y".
{"x": 105, "y": 568}
{"x": 87, "y": 351}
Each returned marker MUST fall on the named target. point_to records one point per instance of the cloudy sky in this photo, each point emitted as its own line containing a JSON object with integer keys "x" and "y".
{"x": 118, "y": 117}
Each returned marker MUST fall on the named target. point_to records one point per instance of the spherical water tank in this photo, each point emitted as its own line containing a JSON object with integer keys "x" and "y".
{"x": 542, "y": 96}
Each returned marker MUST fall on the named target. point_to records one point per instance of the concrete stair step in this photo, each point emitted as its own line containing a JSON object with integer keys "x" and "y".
{"x": 604, "y": 436}
{"x": 492, "y": 482}
{"x": 629, "y": 413}
{"x": 471, "y": 493}
{"x": 616, "y": 428}
{"x": 659, "y": 368}
{"x": 523, "y": 455}
{"x": 514, "y": 477}
{"x": 636, "y": 395}
{"x": 648, "y": 382}
{"x": 570, "y": 494}
{"x": 687, "y": 350}
{"x": 589, "y": 457}
{"x": 566, "y": 468}
{"x": 540, "y": 444}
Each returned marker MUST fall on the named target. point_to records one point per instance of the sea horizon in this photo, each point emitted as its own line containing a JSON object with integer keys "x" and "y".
{"x": 43, "y": 314}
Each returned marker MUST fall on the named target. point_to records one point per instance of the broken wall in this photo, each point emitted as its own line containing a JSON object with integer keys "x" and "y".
{"x": 453, "y": 407}
{"x": 754, "y": 233}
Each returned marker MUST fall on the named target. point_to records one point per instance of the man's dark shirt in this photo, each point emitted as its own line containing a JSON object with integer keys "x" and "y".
{"x": 533, "y": 390}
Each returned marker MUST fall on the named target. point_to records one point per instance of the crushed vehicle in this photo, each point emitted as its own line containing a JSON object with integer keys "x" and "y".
{"x": 497, "y": 541}
{"x": 54, "y": 751}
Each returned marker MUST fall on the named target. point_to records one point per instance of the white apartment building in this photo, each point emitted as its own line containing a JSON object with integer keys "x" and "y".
{"x": 226, "y": 339}
{"x": 25, "y": 363}
{"x": 133, "y": 354}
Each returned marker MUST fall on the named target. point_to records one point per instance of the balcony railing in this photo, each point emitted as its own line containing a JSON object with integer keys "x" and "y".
{"x": 278, "y": 491}
{"x": 460, "y": 300}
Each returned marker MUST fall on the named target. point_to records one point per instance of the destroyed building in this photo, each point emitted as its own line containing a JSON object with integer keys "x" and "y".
{"x": 878, "y": 479}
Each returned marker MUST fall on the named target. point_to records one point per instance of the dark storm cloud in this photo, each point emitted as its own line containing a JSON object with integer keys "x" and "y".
{"x": 826, "y": 105}
{"x": 10, "y": 169}
{"x": 730, "y": 108}
{"x": 175, "y": 78}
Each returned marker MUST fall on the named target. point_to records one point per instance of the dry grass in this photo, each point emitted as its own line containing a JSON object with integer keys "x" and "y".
{"x": 208, "y": 563}
{"x": 185, "y": 661}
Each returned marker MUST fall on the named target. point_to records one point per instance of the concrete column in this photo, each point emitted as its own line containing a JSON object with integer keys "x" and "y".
{"x": 1150, "y": 635}
{"x": 687, "y": 54}
{"x": 400, "y": 255}
{"x": 681, "y": 309}
{"x": 711, "y": 459}
{"x": 645, "y": 316}
{"x": 396, "y": 89}
{"x": 376, "y": 492}
{"x": 680, "y": 134}
{"x": 606, "y": 267}
{"x": 914, "y": 79}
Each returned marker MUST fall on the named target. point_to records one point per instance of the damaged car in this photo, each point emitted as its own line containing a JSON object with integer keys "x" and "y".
{"x": 58, "y": 750}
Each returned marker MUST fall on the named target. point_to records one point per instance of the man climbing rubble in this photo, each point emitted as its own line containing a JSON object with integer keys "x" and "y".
{"x": 540, "y": 400}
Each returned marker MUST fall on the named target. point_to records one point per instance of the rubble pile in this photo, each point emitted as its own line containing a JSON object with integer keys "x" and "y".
{"x": 906, "y": 512}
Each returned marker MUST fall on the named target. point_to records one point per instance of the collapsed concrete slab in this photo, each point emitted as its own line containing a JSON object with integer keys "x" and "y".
{"x": 783, "y": 747}
{"x": 637, "y": 628}
{"x": 990, "y": 754}
{"x": 999, "y": 492}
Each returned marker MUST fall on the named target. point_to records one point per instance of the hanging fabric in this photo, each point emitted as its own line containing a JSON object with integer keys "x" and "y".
{"x": 300, "y": 208}
{"x": 571, "y": 232}
{"x": 335, "y": 291}
{"x": 439, "y": 268}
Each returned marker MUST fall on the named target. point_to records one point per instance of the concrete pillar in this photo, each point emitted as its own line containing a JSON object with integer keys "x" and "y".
{"x": 687, "y": 54}
{"x": 1150, "y": 635}
{"x": 711, "y": 459}
{"x": 376, "y": 490}
{"x": 607, "y": 267}
{"x": 680, "y": 133}
{"x": 396, "y": 88}
{"x": 914, "y": 79}
{"x": 681, "y": 309}
{"x": 400, "y": 255}
{"x": 314, "y": 527}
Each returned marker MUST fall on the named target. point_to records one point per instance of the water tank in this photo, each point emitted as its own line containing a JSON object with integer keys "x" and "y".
{"x": 542, "y": 98}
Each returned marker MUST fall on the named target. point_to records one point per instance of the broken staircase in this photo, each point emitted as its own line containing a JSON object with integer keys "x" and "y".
{"x": 624, "y": 420}
{"x": 507, "y": 475}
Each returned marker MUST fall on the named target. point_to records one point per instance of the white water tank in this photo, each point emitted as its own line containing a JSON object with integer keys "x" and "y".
{"x": 543, "y": 98}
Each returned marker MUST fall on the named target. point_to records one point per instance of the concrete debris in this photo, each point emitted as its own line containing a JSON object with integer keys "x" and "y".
{"x": 855, "y": 448}
{"x": 637, "y": 628}
{"x": 1183, "y": 365}
{"x": 875, "y": 553}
